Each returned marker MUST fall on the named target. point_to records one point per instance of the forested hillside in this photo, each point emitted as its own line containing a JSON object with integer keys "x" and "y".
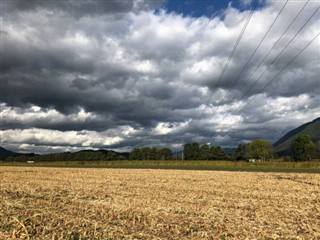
{"x": 282, "y": 146}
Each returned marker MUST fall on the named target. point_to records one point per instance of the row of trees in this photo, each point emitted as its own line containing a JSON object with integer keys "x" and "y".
{"x": 150, "y": 153}
{"x": 87, "y": 155}
{"x": 302, "y": 149}
{"x": 193, "y": 151}
{"x": 257, "y": 149}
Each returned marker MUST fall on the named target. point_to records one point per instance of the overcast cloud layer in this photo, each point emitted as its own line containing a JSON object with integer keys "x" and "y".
{"x": 124, "y": 74}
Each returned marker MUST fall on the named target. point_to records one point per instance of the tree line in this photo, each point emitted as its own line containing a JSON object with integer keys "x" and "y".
{"x": 302, "y": 148}
{"x": 193, "y": 151}
{"x": 258, "y": 149}
{"x": 85, "y": 155}
{"x": 150, "y": 153}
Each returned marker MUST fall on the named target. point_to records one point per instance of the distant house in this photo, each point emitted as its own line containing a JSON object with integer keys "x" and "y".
{"x": 30, "y": 162}
{"x": 254, "y": 160}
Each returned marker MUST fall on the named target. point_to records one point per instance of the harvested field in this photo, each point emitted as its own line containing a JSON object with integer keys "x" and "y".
{"x": 62, "y": 203}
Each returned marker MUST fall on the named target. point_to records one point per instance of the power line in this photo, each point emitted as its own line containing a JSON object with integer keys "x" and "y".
{"x": 263, "y": 38}
{"x": 277, "y": 57}
{"x": 274, "y": 45}
{"x": 268, "y": 83}
{"x": 236, "y": 44}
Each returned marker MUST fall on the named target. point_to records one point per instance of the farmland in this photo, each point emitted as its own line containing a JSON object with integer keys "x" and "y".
{"x": 268, "y": 166}
{"x": 91, "y": 203}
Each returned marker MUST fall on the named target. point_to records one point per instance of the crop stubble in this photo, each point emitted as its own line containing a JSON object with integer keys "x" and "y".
{"x": 61, "y": 203}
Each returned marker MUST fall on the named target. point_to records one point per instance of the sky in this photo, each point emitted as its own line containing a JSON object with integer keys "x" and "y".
{"x": 123, "y": 74}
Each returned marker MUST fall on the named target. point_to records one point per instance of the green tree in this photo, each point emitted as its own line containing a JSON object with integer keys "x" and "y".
{"x": 217, "y": 153}
{"x": 204, "y": 152}
{"x": 302, "y": 148}
{"x": 111, "y": 155}
{"x": 155, "y": 154}
{"x": 146, "y": 153}
{"x": 212, "y": 153}
{"x": 261, "y": 149}
{"x": 241, "y": 152}
{"x": 187, "y": 151}
{"x": 191, "y": 151}
{"x": 317, "y": 146}
{"x": 135, "y": 154}
{"x": 165, "y": 154}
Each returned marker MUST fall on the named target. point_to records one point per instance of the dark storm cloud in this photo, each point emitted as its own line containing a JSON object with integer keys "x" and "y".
{"x": 34, "y": 59}
{"x": 80, "y": 8}
{"x": 55, "y": 121}
{"x": 116, "y": 74}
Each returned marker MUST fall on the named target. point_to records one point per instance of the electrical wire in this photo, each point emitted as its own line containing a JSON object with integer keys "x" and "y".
{"x": 254, "y": 52}
{"x": 277, "y": 57}
{"x": 236, "y": 45}
{"x": 269, "y": 82}
{"x": 274, "y": 45}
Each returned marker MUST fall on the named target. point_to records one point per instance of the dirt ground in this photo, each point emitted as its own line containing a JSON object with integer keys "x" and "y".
{"x": 74, "y": 203}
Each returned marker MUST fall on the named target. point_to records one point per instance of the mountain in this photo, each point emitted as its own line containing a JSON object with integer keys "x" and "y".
{"x": 6, "y": 153}
{"x": 105, "y": 152}
{"x": 88, "y": 155}
{"x": 282, "y": 146}
{"x": 229, "y": 151}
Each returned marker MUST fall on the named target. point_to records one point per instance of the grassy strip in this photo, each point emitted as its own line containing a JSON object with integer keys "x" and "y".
{"x": 313, "y": 166}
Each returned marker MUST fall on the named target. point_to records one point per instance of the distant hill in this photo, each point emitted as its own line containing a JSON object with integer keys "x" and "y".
{"x": 83, "y": 155}
{"x": 6, "y": 153}
{"x": 282, "y": 146}
{"x": 105, "y": 152}
{"x": 230, "y": 151}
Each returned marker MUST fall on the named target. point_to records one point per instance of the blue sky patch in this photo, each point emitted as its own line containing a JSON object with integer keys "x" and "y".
{"x": 208, "y": 8}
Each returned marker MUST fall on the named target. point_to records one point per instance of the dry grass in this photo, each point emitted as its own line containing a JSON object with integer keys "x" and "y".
{"x": 55, "y": 203}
